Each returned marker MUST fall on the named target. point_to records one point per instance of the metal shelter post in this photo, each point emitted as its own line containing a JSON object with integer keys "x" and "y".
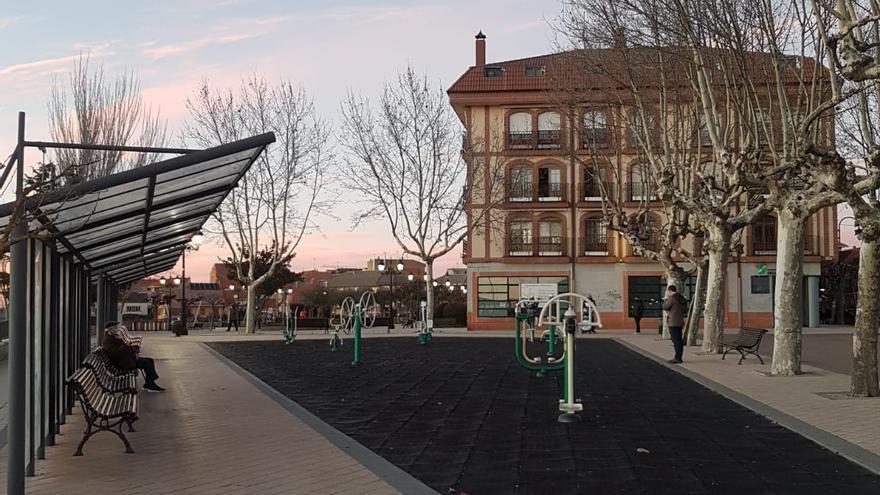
{"x": 17, "y": 332}
{"x": 101, "y": 304}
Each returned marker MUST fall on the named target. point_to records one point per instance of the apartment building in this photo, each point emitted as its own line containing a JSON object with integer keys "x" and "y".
{"x": 550, "y": 228}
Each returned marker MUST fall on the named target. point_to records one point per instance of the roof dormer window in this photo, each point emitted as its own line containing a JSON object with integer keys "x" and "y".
{"x": 493, "y": 71}
{"x": 535, "y": 71}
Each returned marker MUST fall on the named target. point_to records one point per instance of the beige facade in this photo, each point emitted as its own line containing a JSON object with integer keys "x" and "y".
{"x": 526, "y": 162}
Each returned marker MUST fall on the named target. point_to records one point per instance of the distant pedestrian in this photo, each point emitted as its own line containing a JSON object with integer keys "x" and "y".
{"x": 676, "y": 309}
{"x": 233, "y": 317}
{"x": 638, "y": 311}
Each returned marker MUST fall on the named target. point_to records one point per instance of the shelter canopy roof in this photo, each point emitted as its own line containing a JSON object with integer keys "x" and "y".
{"x": 136, "y": 223}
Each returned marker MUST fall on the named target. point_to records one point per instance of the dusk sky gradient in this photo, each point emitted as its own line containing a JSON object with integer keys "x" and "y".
{"x": 326, "y": 46}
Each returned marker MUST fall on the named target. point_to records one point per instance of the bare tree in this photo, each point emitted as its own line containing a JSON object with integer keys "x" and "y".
{"x": 848, "y": 35}
{"x": 274, "y": 203}
{"x": 405, "y": 165}
{"x": 92, "y": 108}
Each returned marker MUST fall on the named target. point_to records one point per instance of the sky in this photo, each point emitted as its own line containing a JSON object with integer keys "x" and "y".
{"x": 329, "y": 47}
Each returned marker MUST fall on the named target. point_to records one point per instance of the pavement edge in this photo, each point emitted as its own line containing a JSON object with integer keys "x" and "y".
{"x": 849, "y": 450}
{"x": 378, "y": 465}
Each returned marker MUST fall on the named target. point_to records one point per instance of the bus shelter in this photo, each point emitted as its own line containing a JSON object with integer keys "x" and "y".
{"x": 73, "y": 247}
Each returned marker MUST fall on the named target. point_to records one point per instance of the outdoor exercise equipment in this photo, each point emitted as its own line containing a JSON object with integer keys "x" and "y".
{"x": 425, "y": 330}
{"x": 341, "y": 321}
{"x": 527, "y": 312}
{"x": 559, "y": 313}
{"x": 369, "y": 309}
{"x": 356, "y": 320}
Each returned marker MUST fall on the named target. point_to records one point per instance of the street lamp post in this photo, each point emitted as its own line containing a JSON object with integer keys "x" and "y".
{"x": 193, "y": 245}
{"x": 399, "y": 268}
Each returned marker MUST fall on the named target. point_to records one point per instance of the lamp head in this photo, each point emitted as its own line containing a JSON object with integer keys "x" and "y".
{"x": 400, "y": 267}
{"x": 381, "y": 267}
{"x": 163, "y": 281}
{"x": 198, "y": 238}
{"x": 176, "y": 280}
{"x": 410, "y": 277}
{"x": 231, "y": 287}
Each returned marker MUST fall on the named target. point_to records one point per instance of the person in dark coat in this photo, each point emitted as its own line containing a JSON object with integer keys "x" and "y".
{"x": 233, "y": 317}
{"x": 675, "y": 306}
{"x": 126, "y": 358}
{"x": 638, "y": 311}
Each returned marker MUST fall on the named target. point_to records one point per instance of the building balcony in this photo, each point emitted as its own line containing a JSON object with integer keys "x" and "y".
{"x": 762, "y": 247}
{"x": 549, "y": 139}
{"x": 528, "y": 192}
{"x": 546, "y": 246}
{"x": 595, "y": 191}
{"x": 640, "y": 192}
{"x": 595, "y": 139}
{"x": 520, "y": 141}
{"x": 593, "y": 246}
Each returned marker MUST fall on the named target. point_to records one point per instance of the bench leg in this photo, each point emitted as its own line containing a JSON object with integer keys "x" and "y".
{"x": 723, "y": 355}
{"x": 128, "y": 449}
{"x": 130, "y": 426}
{"x": 742, "y": 356}
{"x": 86, "y": 435}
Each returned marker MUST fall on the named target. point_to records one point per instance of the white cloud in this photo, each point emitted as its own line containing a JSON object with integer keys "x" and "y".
{"x": 238, "y": 30}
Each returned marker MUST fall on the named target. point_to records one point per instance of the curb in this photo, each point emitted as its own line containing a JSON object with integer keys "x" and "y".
{"x": 849, "y": 450}
{"x": 4, "y": 350}
{"x": 378, "y": 465}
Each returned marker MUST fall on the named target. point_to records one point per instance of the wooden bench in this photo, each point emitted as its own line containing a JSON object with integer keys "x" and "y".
{"x": 746, "y": 341}
{"x": 103, "y": 411}
{"x": 110, "y": 378}
{"x": 129, "y": 339}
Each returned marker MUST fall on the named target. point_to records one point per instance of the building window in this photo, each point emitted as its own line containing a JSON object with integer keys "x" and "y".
{"x": 550, "y": 242}
{"x": 651, "y": 290}
{"x": 519, "y": 132}
{"x": 519, "y": 238}
{"x": 595, "y": 130}
{"x": 703, "y": 131}
{"x": 595, "y": 237}
{"x": 596, "y": 185}
{"x": 493, "y": 71}
{"x": 549, "y": 130}
{"x": 549, "y": 184}
{"x": 764, "y": 236}
{"x": 638, "y": 128}
{"x": 640, "y": 187}
{"x": 534, "y": 71}
{"x": 520, "y": 184}
{"x": 497, "y": 296}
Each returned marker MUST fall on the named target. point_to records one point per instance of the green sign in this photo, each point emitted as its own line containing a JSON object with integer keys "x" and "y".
{"x": 762, "y": 269}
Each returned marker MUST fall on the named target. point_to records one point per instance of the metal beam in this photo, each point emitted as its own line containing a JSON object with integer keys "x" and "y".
{"x": 107, "y": 147}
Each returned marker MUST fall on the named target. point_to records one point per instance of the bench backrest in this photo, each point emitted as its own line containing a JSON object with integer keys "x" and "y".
{"x": 87, "y": 385}
{"x": 749, "y": 337}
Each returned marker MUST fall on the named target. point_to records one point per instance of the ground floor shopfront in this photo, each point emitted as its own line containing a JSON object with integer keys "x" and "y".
{"x": 749, "y": 298}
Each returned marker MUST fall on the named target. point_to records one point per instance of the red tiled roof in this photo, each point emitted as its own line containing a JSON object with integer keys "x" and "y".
{"x": 594, "y": 69}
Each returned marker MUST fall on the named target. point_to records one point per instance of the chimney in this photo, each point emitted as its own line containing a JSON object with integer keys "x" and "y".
{"x": 481, "y": 49}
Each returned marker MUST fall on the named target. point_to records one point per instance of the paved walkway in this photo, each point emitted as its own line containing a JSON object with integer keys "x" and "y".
{"x": 855, "y": 420}
{"x": 212, "y": 432}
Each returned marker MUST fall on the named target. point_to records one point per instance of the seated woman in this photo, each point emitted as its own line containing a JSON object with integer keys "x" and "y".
{"x": 125, "y": 357}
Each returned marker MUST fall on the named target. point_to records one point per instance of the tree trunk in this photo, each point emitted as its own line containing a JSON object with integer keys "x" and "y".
{"x": 788, "y": 312}
{"x": 713, "y": 322}
{"x": 250, "y": 313}
{"x": 864, "y": 371}
{"x": 429, "y": 292}
{"x": 672, "y": 278}
{"x": 697, "y": 303}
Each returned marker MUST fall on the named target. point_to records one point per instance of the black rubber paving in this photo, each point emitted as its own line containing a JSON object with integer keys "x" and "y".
{"x": 463, "y": 417}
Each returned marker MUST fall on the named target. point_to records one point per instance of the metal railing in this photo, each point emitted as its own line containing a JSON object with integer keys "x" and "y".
{"x": 527, "y": 192}
{"x": 640, "y": 192}
{"x": 595, "y": 138}
{"x": 595, "y": 191}
{"x": 519, "y": 247}
{"x": 763, "y": 247}
{"x": 551, "y": 246}
{"x": 594, "y": 246}
{"x": 519, "y": 140}
{"x": 549, "y": 139}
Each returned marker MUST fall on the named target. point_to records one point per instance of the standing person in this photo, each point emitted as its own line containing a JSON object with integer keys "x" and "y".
{"x": 676, "y": 309}
{"x": 638, "y": 311}
{"x": 233, "y": 317}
